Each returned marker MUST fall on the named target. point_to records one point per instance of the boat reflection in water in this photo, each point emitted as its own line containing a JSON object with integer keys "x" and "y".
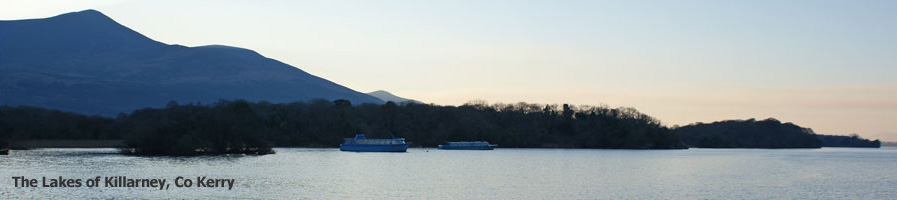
{"x": 361, "y": 144}
{"x": 474, "y": 145}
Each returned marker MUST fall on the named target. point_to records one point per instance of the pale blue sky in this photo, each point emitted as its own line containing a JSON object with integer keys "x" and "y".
{"x": 828, "y": 65}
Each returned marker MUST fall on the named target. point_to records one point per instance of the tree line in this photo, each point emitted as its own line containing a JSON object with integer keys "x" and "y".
{"x": 853, "y": 140}
{"x": 239, "y": 126}
{"x": 769, "y": 133}
{"x": 246, "y": 127}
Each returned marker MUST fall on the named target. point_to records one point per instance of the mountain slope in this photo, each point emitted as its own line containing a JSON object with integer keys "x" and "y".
{"x": 386, "y": 96}
{"x": 86, "y": 62}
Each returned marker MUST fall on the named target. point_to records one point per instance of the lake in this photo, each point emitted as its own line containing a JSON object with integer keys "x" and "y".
{"x": 297, "y": 173}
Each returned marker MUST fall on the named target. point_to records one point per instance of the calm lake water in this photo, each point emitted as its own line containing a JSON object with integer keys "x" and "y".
{"x": 829, "y": 173}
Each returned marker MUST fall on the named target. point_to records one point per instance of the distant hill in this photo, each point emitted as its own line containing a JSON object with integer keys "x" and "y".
{"x": 87, "y": 63}
{"x": 847, "y": 141}
{"x": 889, "y": 144}
{"x": 386, "y": 96}
{"x": 769, "y": 133}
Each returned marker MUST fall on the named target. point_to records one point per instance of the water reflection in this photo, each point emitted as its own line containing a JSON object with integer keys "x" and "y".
{"x": 838, "y": 173}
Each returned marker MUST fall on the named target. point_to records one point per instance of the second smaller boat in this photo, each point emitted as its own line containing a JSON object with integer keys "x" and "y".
{"x": 362, "y": 144}
{"x": 465, "y": 145}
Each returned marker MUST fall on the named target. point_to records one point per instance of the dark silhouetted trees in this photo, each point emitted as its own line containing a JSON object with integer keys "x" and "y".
{"x": 223, "y": 128}
{"x": 243, "y": 127}
{"x": 22, "y": 123}
{"x": 847, "y": 141}
{"x": 769, "y": 133}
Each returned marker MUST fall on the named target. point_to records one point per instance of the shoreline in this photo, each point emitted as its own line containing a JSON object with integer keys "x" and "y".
{"x": 42, "y": 144}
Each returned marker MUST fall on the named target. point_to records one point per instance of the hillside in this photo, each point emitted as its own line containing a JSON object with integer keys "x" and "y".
{"x": 387, "y": 96}
{"x": 86, "y": 62}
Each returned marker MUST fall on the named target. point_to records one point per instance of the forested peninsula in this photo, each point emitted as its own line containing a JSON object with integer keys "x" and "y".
{"x": 253, "y": 128}
{"x": 853, "y": 140}
{"x": 242, "y": 127}
{"x": 769, "y": 133}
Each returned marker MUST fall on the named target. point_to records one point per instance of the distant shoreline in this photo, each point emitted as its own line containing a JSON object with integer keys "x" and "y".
{"x": 39, "y": 144}
{"x": 80, "y": 144}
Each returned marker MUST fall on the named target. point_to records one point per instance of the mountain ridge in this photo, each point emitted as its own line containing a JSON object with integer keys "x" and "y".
{"x": 387, "y": 96}
{"x": 87, "y": 62}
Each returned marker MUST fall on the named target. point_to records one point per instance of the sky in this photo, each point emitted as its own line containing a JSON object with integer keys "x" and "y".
{"x": 824, "y": 64}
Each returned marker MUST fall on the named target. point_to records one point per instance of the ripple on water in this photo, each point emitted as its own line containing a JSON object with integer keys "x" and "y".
{"x": 839, "y": 173}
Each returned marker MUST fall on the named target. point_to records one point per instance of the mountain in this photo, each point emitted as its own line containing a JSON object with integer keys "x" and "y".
{"x": 86, "y": 62}
{"x": 386, "y": 96}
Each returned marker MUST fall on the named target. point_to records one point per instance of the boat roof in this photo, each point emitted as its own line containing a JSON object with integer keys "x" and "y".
{"x": 361, "y": 137}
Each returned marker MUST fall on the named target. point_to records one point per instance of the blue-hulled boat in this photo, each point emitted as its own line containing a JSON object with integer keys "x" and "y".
{"x": 361, "y": 144}
{"x": 474, "y": 145}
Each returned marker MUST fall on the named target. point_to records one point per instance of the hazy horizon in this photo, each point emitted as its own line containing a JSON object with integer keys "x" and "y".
{"x": 826, "y": 65}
